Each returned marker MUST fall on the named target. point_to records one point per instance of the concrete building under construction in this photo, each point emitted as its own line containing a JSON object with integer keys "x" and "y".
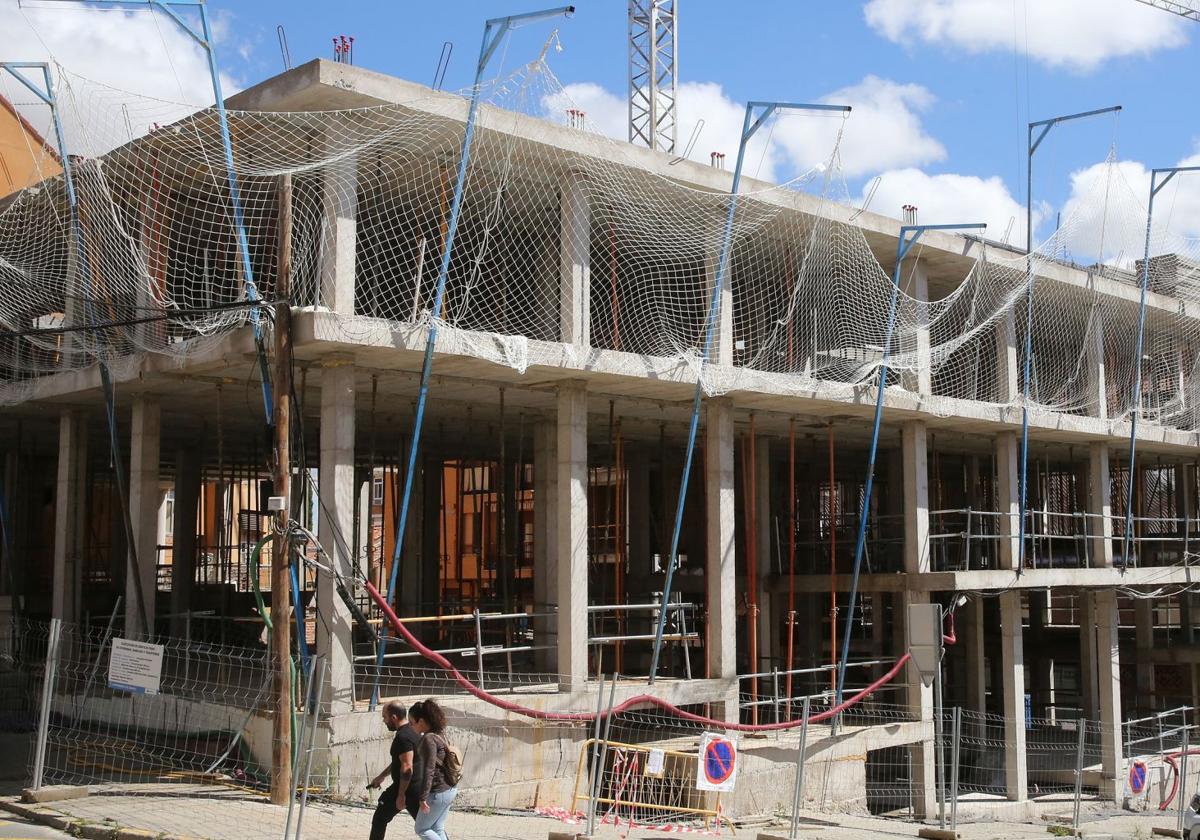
{"x": 544, "y": 496}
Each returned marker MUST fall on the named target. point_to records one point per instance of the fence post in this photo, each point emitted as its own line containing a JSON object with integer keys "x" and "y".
{"x": 1081, "y": 724}
{"x": 297, "y": 751}
{"x": 594, "y": 770}
{"x": 956, "y": 735}
{"x": 318, "y": 687}
{"x": 775, "y": 688}
{"x": 52, "y": 648}
{"x": 479, "y": 646}
{"x": 939, "y": 764}
{"x": 1183, "y": 802}
{"x": 597, "y": 779}
{"x": 798, "y": 788}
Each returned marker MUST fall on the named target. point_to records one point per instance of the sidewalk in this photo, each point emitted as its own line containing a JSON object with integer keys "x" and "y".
{"x": 207, "y": 812}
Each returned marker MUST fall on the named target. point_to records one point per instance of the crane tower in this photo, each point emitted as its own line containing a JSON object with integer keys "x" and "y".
{"x": 653, "y": 73}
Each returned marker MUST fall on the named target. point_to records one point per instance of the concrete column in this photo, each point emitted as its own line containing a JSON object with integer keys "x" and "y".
{"x": 339, "y": 233}
{"x": 915, "y": 451}
{"x": 335, "y": 527}
{"x": 1008, "y": 499}
{"x": 1183, "y": 508}
{"x": 720, "y": 519}
{"x": 972, "y": 629}
{"x": 1143, "y": 616}
{"x": 1012, "y": 664}
{"x": 572, "y": 559}
{"x": 637, "y": 462}
{"x": 1100, "y": 526}
{"x": 545, "y": 541}
{"x": 916, "y": 283}
{"x": 1108, "y": 670}
{"x": 1040, "y": 690}
{"x": 70, "y": 525}
{"x": 427, "y": 574}
{"x": 1007, "y": 383}
{"x": 183, "y": 544}
{"x": 421, "y": 531}
{"x": 153, "y": 216}
{"x": 574, "y": 248}
{"x": 1097, "y": 375}
{"x": 721, "y": 351}
{"x": 919, "y": 699}
{"x": 143, "y": 511}
{"x": 768, "y": 627}
{"x": 1088, "y": 679}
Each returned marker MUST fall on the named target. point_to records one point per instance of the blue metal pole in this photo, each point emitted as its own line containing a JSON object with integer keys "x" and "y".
{"x": 903, "y": 246}
{"x": 47, "y": 96}
{"x": 235, "y": 199}
{"x": 1032, "y": 147}
{"x": 748, "y": 130}
{"x": 205, "y": 40}
{"x": 493, "y": 31}
{"x": 1136, "y": 408}
{"x": 298, "y": 611}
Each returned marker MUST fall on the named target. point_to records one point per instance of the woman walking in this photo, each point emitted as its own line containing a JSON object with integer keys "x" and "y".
{"x": 436, "y": 771}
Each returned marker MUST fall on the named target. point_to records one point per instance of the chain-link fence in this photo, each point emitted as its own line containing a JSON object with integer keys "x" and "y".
{"x": 190, "y": 751}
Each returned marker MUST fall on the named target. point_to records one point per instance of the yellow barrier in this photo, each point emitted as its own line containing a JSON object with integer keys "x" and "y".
{"x": 628, "y": 783}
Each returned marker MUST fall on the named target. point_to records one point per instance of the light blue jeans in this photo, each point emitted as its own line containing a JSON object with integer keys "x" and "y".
{"x": 430, "y": 825}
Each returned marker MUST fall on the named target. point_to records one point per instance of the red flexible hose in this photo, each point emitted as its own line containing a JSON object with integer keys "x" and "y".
{"x": 640, "y": 700}
{"x": 1170, "y": 759}
{"x": 950, "y": 638}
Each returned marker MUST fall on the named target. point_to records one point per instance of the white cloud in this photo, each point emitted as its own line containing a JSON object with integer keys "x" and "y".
{"x": 950, "y": 199}
{"x": 1105, "y": 216}
{"x": 883, "y": 131}
{"x": 1077, "y": 34}
{"x": 139, "y": 52}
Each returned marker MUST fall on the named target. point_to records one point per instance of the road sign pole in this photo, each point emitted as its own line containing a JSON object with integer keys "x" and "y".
{"x": 798, "y": 791}
{"x": 1183, "y": 763}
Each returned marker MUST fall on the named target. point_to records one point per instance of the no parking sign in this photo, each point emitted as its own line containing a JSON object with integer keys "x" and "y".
{"x": 716, "y": 763}
{"x": 1138, "y": 776}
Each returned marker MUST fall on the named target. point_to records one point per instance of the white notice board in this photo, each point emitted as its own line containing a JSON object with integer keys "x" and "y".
{"x": 135, "y": 666}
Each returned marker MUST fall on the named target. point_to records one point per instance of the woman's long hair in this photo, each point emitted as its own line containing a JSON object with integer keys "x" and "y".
{"x": 430, "y": 712}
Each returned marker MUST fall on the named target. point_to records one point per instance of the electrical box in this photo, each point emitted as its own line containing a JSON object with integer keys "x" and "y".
{"x": 276, "y": 504}
{"x": 925, "y": 639}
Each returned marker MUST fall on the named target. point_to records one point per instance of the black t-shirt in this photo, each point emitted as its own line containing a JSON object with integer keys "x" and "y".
{"x": 405, "y": 741}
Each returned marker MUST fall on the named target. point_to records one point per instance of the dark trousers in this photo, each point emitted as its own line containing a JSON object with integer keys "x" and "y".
{"x": 384, "y": 812}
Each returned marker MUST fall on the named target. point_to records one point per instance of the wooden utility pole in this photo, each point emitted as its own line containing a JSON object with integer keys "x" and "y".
{"x": 282, "y": 784}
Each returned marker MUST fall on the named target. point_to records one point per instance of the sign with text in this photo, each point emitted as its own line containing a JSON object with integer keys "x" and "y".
{"x": 717, "y": 767}
{"x": 135, "y": 666}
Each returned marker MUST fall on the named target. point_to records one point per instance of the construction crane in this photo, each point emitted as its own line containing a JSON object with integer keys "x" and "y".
{"x": 1189, "y": 9}
{"x": 653, "y": 73}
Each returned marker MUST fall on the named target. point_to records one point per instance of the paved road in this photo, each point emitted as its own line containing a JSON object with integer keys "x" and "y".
{"x": 15, "y": 828}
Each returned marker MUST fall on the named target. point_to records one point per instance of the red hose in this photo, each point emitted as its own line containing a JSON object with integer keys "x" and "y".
{"x": 639, "y": 700}
{"x": 1170, "y": 759}
{"x": 950, "y": 638}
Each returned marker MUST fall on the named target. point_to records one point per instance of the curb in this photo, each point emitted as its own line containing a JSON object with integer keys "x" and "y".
{"x": 80, "y": 828}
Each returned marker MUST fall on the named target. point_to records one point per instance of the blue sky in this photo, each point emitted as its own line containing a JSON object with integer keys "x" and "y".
{"x": 946, "y": 86}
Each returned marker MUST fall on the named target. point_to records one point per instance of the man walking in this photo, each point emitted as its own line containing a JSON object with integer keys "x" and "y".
{"x": 392, "y": 800}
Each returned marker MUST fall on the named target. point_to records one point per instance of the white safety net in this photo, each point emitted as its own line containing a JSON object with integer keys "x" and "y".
{"x": 159, "y": 270}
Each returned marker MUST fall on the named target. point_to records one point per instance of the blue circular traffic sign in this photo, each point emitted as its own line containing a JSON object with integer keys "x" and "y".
{"x": 1138, "y": 774}
{"x": 719, "y": 761}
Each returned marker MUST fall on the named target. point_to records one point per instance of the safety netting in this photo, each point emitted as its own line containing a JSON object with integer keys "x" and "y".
{"x": 157, "y": 268}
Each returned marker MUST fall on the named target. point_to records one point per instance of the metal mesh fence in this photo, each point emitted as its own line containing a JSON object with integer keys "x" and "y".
{"x": 202, "y": 745}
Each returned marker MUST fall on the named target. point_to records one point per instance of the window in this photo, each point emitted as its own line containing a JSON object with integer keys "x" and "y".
{"x": 377, "y": 490}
